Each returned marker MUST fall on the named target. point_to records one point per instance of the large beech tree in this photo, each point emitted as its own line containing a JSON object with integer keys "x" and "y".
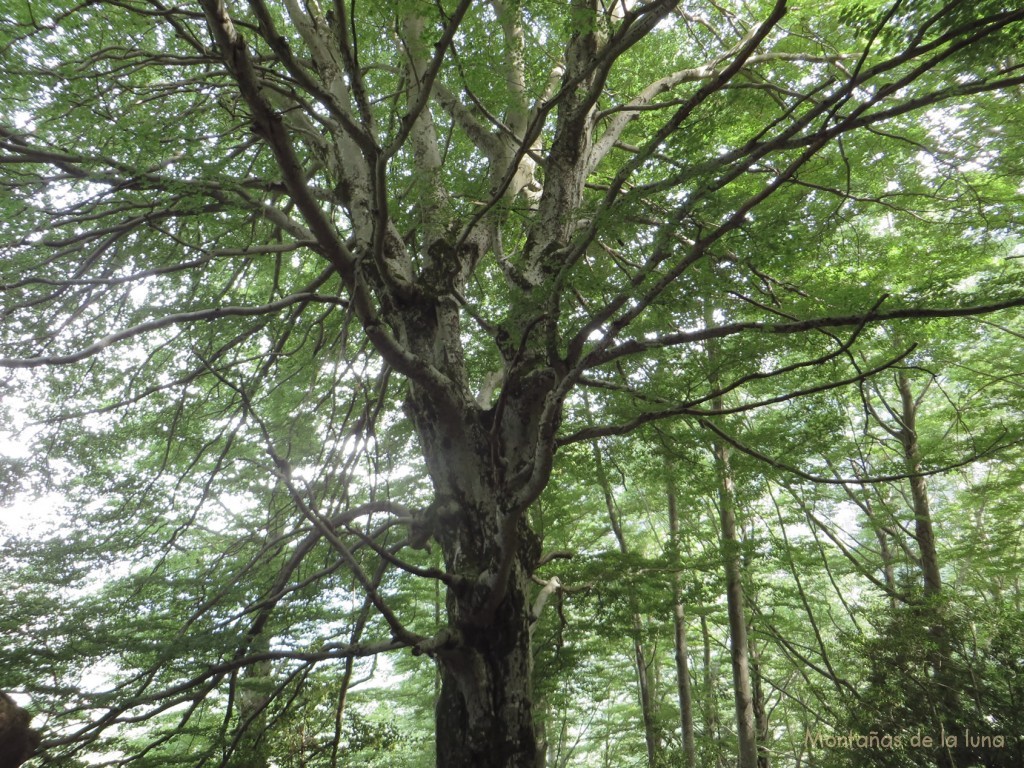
{"x": 248, "y": 243}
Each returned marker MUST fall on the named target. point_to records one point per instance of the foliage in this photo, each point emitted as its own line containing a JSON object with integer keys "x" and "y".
{"x": 969, "y": 707}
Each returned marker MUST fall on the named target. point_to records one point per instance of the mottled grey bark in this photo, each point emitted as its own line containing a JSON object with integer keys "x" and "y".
{"x": 484, "y": 711}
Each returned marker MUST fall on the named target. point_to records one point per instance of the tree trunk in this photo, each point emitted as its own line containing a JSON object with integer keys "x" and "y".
{"x": 930, "y": 573}
{"x": 476, "y": 458}
{"x": 888, "y": 570}
{"x": 484, "y": 711}
{"x": 923, "y": 532}
{"x": 253, "y": 692}
{"x": 253, "y": 688}
{"x": 679, "y": 619}
{"x": 761, "y": 728}
{"x": 761, "y": 725}
{"x": 484, "y": 714}
{"x": 711, "y": 733}
{"x": 651, "y": 738}
{"x": 745, "y": 724}
{"x": 732, "y": 565}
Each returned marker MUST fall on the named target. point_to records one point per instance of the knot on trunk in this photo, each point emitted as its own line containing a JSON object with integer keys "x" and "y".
{"x": 447, "y": 640}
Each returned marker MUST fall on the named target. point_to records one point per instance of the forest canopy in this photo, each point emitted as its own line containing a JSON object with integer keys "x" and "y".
{"x": 514, "y": 383}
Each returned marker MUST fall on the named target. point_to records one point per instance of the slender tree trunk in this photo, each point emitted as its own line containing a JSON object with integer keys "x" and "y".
{"x": 253, "y": 689}
{"x": 542, "y": 742}
{"x": 646, "y": 698}
{"x": 761, "y": 725}
{"x": 732, "y": 565}
{"x": 711, "y": 732}
{"x": 252, "y": 695}
{"x": 760, "y": 705}
{"x": 345, "y": 683}
{"x": 559, "y": 757}
{"x": 730, "y": 548}
{"x": 679, "y": 619}
{"x": 647, "y": 706}
{"x": 888, "y": 571}
{"x": 923, "y": 532}
{"x": 930, "y": 573}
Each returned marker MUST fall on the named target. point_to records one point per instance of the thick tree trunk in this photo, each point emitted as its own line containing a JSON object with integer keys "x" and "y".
{"x": 18, "y": 741}
{"x": 484, "y": 713}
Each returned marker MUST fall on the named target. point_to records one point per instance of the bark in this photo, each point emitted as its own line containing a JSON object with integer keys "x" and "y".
{"x": 542, "y": 742}
{"x": 484, "y": 712}
{"x": 732, "y": 565}
{"x": 730, "y": 547}
{"x": 711, "y": 733}
{"x": 486, "y": 465}
{"x": 18, "y": 741}
{"x": 253, "y": 695}
{"x": 474, "y": 458}
{"x": 651, "y": 738}
{"x": 760, "y": 704}
{"x": 923, "y": 531}
{"x": 930, "y": 573}
{"x": 888, "y": 570}
{"x": 761, "y": 724}
{"x": 679, "y": 619}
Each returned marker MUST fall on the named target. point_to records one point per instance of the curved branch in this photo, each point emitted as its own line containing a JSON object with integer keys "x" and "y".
{"x": 168, "y": 321}
{"x": 739, "y": 445}
{"x": 637, "y": 346}
{"x": 689, "y": 409}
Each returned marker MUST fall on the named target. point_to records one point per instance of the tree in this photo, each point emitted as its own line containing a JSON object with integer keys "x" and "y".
{"x": 288, "y": 255}
{"x": 17, "y": 739}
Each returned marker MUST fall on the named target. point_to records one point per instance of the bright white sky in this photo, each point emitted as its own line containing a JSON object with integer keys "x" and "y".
{"x": 26, "y": 515}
